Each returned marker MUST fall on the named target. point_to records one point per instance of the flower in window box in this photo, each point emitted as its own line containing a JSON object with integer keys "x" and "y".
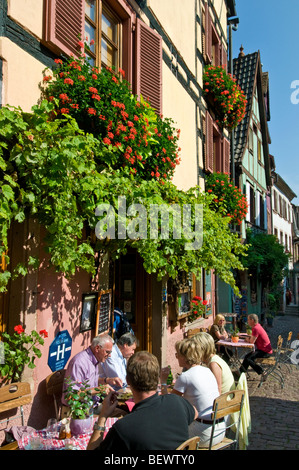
{"x": 198, "y": 308}
{"x": 229, "y": 200}
{"x": 102, "y": 103}
{"x": 226, "y": 96}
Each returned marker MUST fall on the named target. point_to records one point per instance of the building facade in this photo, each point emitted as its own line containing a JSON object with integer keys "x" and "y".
{"x": 283, "y": 223}
{"x": 162, "y": 49}
{"x": 252, "y": 169}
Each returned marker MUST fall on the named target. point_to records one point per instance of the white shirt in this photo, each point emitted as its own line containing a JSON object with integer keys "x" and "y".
{"x": 115, "y": 366}
{"x": 199, "y": 386}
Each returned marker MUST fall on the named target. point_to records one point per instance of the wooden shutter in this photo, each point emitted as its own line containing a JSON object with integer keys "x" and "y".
{"x": 149, "y": 65}
{"x": 209, "y": 146}
{"x": 226, "y": 156}
{"x": 64, "y": 25}
{"x": 208, "y": 35}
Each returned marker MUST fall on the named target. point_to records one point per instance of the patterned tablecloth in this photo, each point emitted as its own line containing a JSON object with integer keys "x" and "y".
{"x": 38, "y": 440}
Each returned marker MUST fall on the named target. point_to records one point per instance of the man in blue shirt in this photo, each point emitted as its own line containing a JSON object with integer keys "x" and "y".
{"x": 116, "y": 364}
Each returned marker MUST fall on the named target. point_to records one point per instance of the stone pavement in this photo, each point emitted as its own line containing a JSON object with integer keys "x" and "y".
{"x": 275, "y": 411}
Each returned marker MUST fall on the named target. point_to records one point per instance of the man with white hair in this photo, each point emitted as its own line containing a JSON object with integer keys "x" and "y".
{"x": 84, "y": 366}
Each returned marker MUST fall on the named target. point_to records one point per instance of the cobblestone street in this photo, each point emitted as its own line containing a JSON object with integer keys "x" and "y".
{"x": 275, "y": 410}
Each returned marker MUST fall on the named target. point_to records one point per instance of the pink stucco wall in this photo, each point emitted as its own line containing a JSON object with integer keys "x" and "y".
{"x": 177, "y": 335}
{"x": 59, "y": 309}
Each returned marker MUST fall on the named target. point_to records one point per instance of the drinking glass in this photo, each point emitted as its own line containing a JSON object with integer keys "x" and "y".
{"x": 34, "y": 443}
{"x": 51, "y": 428}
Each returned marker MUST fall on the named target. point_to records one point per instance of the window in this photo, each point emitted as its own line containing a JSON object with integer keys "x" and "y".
{"x": 102, "y": 28}
{"x": 217, "y": 148}
{"x": 280, "y": 206}
{"x": 119, "y": 40}
{"x": 262, "y": 212}
{"x": 259, "y": 151}
{"x": 275, "y": 200}
{"x": 214, "y": 51}
{"x": 250, "y": 141}
{"x": 252, "y": 205}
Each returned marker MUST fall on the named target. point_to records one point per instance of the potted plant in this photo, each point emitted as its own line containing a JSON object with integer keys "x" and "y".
{"x": 79, "y": 398}
{"x": 17, "y": 351}
{"x": 235, "y": 335}
{"x": 248, "y": 329}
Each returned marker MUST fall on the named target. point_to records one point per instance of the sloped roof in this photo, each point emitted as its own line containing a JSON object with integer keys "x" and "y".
{"x": 248, "y": 71}
{"x": 245, "y": 71}
{"x": 283, "y": 186}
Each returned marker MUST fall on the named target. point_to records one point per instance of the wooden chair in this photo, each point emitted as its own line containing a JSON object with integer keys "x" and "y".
{"x": 14, "y": 396}
{"x": 270, "y": 365}
{"x": 230, "y": 318}
{"x": 192, "y": 332}
{"x": 54, "y": 386}
{"x": 224, "y": 405}
{"x": 190, "y": 444}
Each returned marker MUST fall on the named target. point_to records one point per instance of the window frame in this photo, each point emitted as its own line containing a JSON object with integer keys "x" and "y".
{"x": 103, "y": 8}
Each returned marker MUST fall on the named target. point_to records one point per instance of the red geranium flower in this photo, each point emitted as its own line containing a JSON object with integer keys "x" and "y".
{"x": 19, "y": 329}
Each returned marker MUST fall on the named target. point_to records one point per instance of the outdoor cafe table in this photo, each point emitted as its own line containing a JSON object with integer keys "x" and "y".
{"x": 43, "y": 442}
{"x": 236, "y": 348}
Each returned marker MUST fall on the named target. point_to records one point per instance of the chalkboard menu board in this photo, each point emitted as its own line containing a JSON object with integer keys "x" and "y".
{"x": 103, "y": 312}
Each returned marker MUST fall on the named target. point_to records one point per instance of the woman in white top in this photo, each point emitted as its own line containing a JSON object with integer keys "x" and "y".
{"x": 198, "y": 385}
{"x": 216, "y": 364}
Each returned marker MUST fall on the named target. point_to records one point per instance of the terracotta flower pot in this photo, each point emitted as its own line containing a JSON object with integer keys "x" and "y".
{"x": 235, "y": 339}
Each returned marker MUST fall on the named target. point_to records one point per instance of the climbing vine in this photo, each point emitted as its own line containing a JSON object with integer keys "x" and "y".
{"x": 54, "y": 172}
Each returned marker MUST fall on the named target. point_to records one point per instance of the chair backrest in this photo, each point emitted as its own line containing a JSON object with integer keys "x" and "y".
{"x": 54, "y": 386}
{"x": 190, "y": 444}
{"x": 224, "y": 405}
{"x": 13, "y": 396}
{"x": 288, "y": 343}
{"x": 279, "y": 346}
{"x": 227, "y": 403}
{"x": 193, "y": 332}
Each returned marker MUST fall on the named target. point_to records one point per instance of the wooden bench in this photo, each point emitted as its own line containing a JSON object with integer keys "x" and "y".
{"x": 14, "y": 396}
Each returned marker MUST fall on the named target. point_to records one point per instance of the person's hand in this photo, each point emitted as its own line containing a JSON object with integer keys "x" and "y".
{"x": 116, "y": 381}
{"x": 108, "y": 388}
{"x": 164, "y": 374}
{"x": 109, "y": 404}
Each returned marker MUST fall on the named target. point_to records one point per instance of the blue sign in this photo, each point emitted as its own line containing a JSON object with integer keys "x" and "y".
{"x": 60, "y": 351}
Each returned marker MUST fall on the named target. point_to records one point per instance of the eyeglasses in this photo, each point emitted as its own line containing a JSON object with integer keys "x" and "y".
{"x": 107, "y": 351}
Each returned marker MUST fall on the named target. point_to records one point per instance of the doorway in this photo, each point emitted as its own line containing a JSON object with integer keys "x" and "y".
{"x": 132, "y": 296}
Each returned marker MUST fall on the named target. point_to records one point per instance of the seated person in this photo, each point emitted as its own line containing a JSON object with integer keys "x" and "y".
{"x": 216, "y": 364}
{"x": 116, "y": 364}
{"x": 262, "y": 344}
{"x": 218, "y": 331}
{"x": 85, "y": 366}
{"x": 199, "y": 386}
{"x": 157, "y": 422}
